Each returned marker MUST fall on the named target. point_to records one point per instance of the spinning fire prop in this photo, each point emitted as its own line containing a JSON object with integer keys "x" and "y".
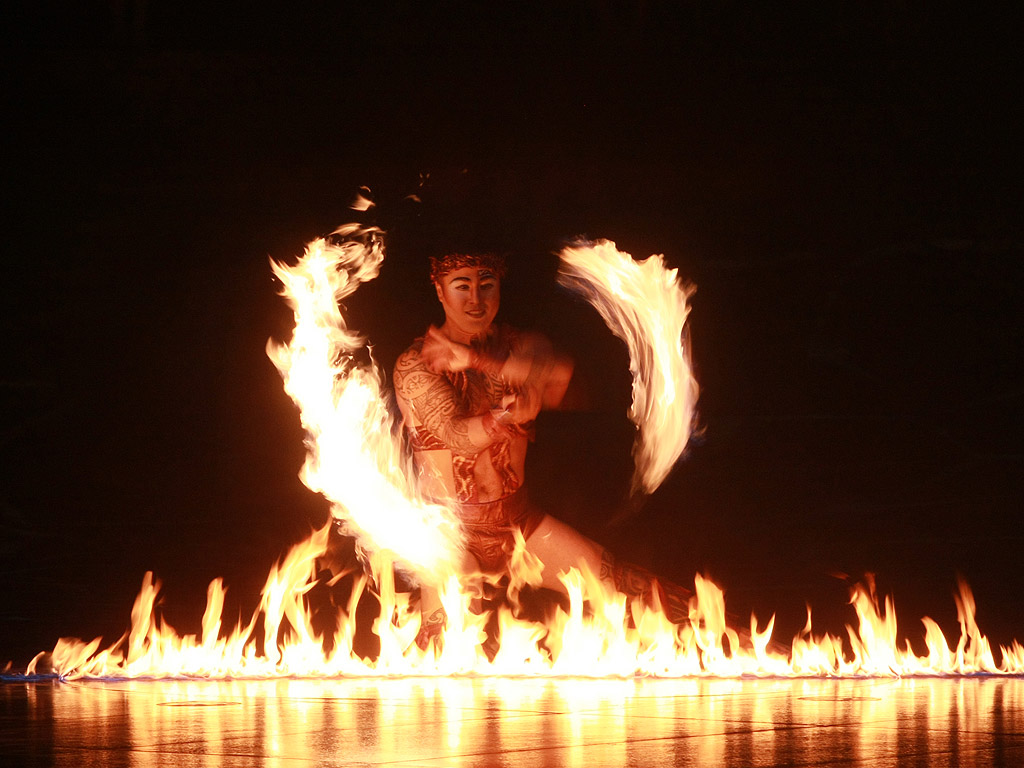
{"x": 355, "y": 459}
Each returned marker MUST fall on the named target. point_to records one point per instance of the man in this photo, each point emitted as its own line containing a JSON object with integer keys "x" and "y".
{"x": 469, "y": 392}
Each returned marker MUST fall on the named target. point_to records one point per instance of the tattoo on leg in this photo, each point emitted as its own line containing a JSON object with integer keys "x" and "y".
{"x": 675, "y": 601}
{"x": 634, "y": 581}
{"x": 431, "y": 628}
{"x": 437, "y": 617}
{"x": 630, "y": 580}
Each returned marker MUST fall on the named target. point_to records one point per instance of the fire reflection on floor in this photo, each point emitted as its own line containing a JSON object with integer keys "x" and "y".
{"x": 550, "y": 722}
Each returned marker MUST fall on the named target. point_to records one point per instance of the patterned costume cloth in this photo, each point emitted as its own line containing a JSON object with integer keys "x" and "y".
{"x": 490, "y": 527}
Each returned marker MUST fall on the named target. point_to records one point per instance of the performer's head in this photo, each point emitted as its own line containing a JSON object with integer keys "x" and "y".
{"x": 468, "y": 286}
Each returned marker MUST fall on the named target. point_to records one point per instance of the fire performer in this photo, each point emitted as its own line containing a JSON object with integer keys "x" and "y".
{"x": 469, "y": 392}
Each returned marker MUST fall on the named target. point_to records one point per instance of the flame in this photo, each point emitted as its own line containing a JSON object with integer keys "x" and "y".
{"x": 593, "y": 637}
{"x": 644, "y": 304}
{"x": 356, "y": 462}
{"x": 353, "y": 457}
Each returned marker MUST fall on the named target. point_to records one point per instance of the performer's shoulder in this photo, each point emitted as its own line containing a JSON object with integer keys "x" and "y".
{"x": 411, "y": 356}
{"x": 411, "y": 373}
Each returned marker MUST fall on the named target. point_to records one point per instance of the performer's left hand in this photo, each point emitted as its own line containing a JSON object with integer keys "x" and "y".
{"x": 524, "y": 406}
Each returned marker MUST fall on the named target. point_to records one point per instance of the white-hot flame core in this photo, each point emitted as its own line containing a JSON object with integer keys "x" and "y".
{"x": 355, "y": 461}
{"x": 353, "y": 456}
{"x": 644, "y": 303}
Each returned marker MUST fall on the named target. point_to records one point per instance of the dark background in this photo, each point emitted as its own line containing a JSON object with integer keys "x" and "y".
{"x": 838, "y": 179}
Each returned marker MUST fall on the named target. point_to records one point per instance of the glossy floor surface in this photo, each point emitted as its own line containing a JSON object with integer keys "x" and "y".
{"x": 499, "y": 722}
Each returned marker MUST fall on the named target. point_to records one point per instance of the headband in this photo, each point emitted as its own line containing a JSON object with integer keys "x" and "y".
{"x": 439, "y": 267}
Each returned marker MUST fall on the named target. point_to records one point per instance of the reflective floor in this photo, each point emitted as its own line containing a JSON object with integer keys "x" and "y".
{"x": 456, "y": 722}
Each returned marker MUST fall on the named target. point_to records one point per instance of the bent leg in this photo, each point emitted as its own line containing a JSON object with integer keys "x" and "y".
{"x": 561, "y": 547}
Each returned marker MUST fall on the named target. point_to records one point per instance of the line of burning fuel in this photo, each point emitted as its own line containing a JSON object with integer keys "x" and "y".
{"x": 644, "y": 303}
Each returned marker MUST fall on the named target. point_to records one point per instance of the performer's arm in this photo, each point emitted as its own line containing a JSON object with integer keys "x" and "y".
{"x": 430, "y": 399}
{"x": 535, "y": 365}
{"x": 532, "y": 366}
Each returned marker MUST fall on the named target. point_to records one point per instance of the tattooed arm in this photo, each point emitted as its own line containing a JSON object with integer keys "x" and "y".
{"x": 540, "y": 368}
{"x": 428, "y": 400}
{"x": 532, "y": 366}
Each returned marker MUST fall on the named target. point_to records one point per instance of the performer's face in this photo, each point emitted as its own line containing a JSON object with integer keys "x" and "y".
{"x": 470, "y": 297}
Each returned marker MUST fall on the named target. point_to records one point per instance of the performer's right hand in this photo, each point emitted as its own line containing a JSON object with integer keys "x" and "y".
{"x": 439, "y": 353}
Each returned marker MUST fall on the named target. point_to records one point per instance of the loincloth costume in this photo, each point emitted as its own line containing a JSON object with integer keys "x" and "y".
{"x": 490, "y": 527}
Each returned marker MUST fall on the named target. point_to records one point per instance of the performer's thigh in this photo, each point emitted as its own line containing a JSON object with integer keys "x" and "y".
{"x": 560, "y": 548}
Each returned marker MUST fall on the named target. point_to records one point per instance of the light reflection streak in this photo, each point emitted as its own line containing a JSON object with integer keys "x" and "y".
{"x": 543, "y": 721}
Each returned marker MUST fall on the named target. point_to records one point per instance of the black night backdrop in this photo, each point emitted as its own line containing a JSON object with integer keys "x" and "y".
{"x": 838, "y": 179}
